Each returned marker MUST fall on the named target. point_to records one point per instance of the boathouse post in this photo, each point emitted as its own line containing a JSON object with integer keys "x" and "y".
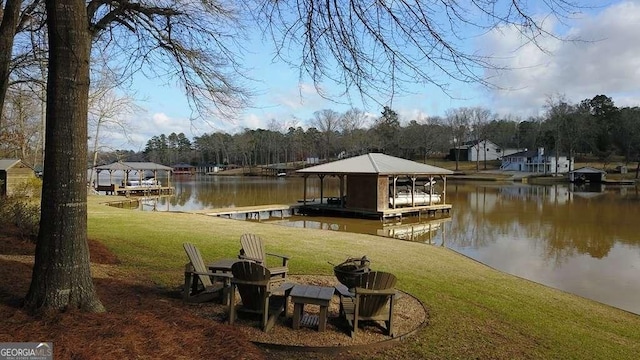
{"x": 341, "y": 177}
{"x": 444, "y": 190}
{"x": 413, "y": 191}
{"x": 304, "y": 191}
{"x": 321, "y": 176}
{"x": 395, "y": 191}
{"x": 431, "y": 184}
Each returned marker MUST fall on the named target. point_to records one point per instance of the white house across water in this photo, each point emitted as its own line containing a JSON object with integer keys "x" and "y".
{"x": 537, "y": 161}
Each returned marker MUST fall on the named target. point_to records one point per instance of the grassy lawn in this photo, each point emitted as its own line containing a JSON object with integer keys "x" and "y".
{"x": 474, "y": 311}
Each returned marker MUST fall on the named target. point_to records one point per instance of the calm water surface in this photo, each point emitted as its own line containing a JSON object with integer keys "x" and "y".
{"x": 583, "y": 241}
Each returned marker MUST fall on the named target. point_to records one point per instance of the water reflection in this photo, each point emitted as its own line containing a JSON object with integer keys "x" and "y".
{"x": 554, "y": 235}
{"x": 559, "y": 221}
{"x": 424, "y": 230}
{"x": 428, "y": 230}
{"x": 579, "y": 239}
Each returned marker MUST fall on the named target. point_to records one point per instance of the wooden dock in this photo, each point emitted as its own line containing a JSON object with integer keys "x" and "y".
{"x": 265, "y": 212}
{"x": 114, "y": 189}
{"x": 336, "y": 210}
{"x": 429, "y": 210}
{"x": 258, "y": 212}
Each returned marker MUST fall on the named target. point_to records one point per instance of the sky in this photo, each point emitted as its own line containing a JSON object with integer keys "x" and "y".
{"x": 607, "y": 62}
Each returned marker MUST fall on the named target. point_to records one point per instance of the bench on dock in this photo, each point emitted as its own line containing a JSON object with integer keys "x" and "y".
{"x": 108, "y": 189}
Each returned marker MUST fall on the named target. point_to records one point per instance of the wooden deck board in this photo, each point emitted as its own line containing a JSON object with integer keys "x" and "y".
{"x": 242, "y": 210}
{"x": 387, "y": 213}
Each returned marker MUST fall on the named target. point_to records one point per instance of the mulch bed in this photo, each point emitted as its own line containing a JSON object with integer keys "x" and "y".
{"x": 142, "y": 321}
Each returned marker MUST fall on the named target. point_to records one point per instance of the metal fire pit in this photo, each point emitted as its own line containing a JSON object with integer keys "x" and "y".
{"x": 350, "y": 270}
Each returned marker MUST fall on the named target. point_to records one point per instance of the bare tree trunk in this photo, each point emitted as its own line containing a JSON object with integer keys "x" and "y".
{"x": 61, "y": 275}
{"x": 95, "y": 154}
{"x": 8, "y": 25}
{"x": 485, "y": 155}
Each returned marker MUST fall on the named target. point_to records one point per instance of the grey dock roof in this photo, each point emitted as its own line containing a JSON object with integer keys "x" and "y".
{"x": 588, "y": 169}
{"x": 376, "y": 163}
{"x": 129, "y": 166}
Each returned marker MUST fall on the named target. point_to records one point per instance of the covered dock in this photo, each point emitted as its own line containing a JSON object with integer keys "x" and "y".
{"x": 587, "y": 174}
{"x": 135, "y": 185}
{"x": 380, "y": 186}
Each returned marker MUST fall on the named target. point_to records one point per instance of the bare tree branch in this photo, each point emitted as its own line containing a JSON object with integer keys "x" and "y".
{"x": 197, "y": 44}
{"x": 378, "y": 48}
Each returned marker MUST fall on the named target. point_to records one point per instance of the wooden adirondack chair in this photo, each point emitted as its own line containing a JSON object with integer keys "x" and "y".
{"x": 253, "y": 249}
{"x": 259, "y": 292}
{"x": 200, "y": 285}
{"x": 372, "y": 299}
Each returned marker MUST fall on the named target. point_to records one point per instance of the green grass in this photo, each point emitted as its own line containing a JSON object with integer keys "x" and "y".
{"x": 475, "y": 311}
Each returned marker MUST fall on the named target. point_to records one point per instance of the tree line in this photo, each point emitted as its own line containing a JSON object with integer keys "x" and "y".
{"x": 593, "y": 128}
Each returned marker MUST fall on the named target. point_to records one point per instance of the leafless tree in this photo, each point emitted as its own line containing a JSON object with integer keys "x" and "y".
{"x": 327, "y": 121}
{"x": 479, "y": 119}
{"x": 109, "y": 111}
{"x": 350, "y": 122}
{"x": 17, "y": 17}
{"x": 22, "y": 129}
{"x": 559, "y": 117}
{"x": 458, "y": 123}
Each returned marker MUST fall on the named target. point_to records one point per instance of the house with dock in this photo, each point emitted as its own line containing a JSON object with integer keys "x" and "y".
{"x": 379, "y": 186}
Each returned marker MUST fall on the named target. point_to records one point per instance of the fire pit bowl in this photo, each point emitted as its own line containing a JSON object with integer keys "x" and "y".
{"x": 349, "y": 271}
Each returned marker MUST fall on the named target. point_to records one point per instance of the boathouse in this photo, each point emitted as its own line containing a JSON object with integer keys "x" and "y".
{"x": 587, "y": 174}
{"x": 379, "y": 185}
{"x": 135, "y": 181}
{"x": 184, "y": 169}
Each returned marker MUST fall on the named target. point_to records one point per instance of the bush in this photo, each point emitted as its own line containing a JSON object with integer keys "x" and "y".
{"x": 21, "y": 210}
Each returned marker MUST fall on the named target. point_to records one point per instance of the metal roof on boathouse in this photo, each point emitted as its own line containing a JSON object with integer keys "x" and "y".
{"x": 376, "y": 163}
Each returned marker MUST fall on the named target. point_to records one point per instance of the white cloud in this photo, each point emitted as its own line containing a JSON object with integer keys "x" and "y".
{"x": 606, "y": 61}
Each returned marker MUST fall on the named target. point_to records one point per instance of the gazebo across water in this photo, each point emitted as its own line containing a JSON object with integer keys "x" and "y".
{"x": 379, "y": 185}
{"x": 138, "y": 184}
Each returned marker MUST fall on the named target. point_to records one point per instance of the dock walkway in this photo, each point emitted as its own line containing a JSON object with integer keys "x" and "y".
{"x": 264, "y": 212}
{"x": 258, "y": 212}
{"x": 399, "y": 212}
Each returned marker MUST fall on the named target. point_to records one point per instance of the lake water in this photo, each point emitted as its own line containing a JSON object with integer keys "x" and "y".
{"x": 581, "y": 240}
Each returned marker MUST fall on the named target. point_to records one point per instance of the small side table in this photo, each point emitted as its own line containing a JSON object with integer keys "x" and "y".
{"x": 313, "y": 295}
{"x": 223, "y": 267}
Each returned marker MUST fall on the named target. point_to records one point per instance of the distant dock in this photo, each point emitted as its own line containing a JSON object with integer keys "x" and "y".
{"x": 114, "y": 189}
